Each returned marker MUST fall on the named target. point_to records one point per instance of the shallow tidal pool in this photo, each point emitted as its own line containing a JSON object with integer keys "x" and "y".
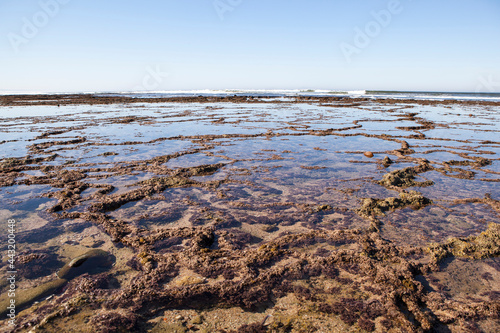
{"x": 279, "y": 216}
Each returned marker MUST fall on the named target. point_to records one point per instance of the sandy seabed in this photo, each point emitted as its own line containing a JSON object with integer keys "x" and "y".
{"x": 251, "y": 214}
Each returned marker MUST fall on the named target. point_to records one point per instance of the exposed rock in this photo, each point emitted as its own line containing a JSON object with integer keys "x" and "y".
{"x": 386, "y": 161}
{"x": 486, "y": 244}
{"x": 188, "y": 280}
{"x": 406, "y": 177}
{"x": 376, "y": 207}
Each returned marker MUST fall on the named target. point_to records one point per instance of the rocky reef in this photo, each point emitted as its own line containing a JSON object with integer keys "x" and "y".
{"x": 262, "y": 224}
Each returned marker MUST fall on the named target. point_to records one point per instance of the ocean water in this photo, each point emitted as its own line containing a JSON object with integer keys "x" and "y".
{"x": 373, "y": 94}
{"x": 283, "y": 93}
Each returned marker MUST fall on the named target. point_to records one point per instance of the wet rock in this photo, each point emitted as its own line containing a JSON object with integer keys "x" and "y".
{"x": 376, "y": 207}
{"x": 165, "y": 327}
{"x": 37, "y": 263}
{"x": 269, "y": 227}
{"x": 113, "y": 322}
{"x": 197, "y": 320}
{"x": 188, "y": 280}
{"x": 478, "y": 162}
{"x": 406, "y": 177}
{"x": 93, "y": 261}
{"x": 368, "y": 154}
{"x": 486, "y": 244}
{"x": 405, "y": 149}
{"x": 324, "y": 207}
{"x": 108, "y": 153}
{"x": 386, "y": 161}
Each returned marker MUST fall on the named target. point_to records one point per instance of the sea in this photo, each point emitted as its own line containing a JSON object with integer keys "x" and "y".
{"x": 372, "y": 94}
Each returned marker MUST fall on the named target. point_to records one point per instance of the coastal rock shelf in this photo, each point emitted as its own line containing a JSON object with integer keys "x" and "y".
{"x": 248, "y": 214}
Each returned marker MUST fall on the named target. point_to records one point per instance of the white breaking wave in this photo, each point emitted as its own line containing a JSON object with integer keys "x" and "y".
{"x": 357, "y": 92}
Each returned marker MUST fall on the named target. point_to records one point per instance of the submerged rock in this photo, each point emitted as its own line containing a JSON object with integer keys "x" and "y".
{"x": 91, "y": 262}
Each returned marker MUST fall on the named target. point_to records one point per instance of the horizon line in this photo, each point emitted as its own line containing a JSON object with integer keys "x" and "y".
{"x": 235, "y": 90}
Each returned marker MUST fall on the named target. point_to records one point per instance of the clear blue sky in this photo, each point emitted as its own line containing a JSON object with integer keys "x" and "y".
{"x": 111, "y": 45}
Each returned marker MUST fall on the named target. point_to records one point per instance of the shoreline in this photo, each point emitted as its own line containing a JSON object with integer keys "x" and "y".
{"x": 97, "y": 99}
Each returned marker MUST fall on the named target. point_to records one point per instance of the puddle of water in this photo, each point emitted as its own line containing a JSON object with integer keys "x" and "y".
{"x": 434, "y": 224}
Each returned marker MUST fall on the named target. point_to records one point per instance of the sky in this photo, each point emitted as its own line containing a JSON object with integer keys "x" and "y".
{"x": 152, "y": 45}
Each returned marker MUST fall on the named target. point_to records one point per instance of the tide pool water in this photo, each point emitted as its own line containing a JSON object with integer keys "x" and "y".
{"x": 266, "y": 211}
